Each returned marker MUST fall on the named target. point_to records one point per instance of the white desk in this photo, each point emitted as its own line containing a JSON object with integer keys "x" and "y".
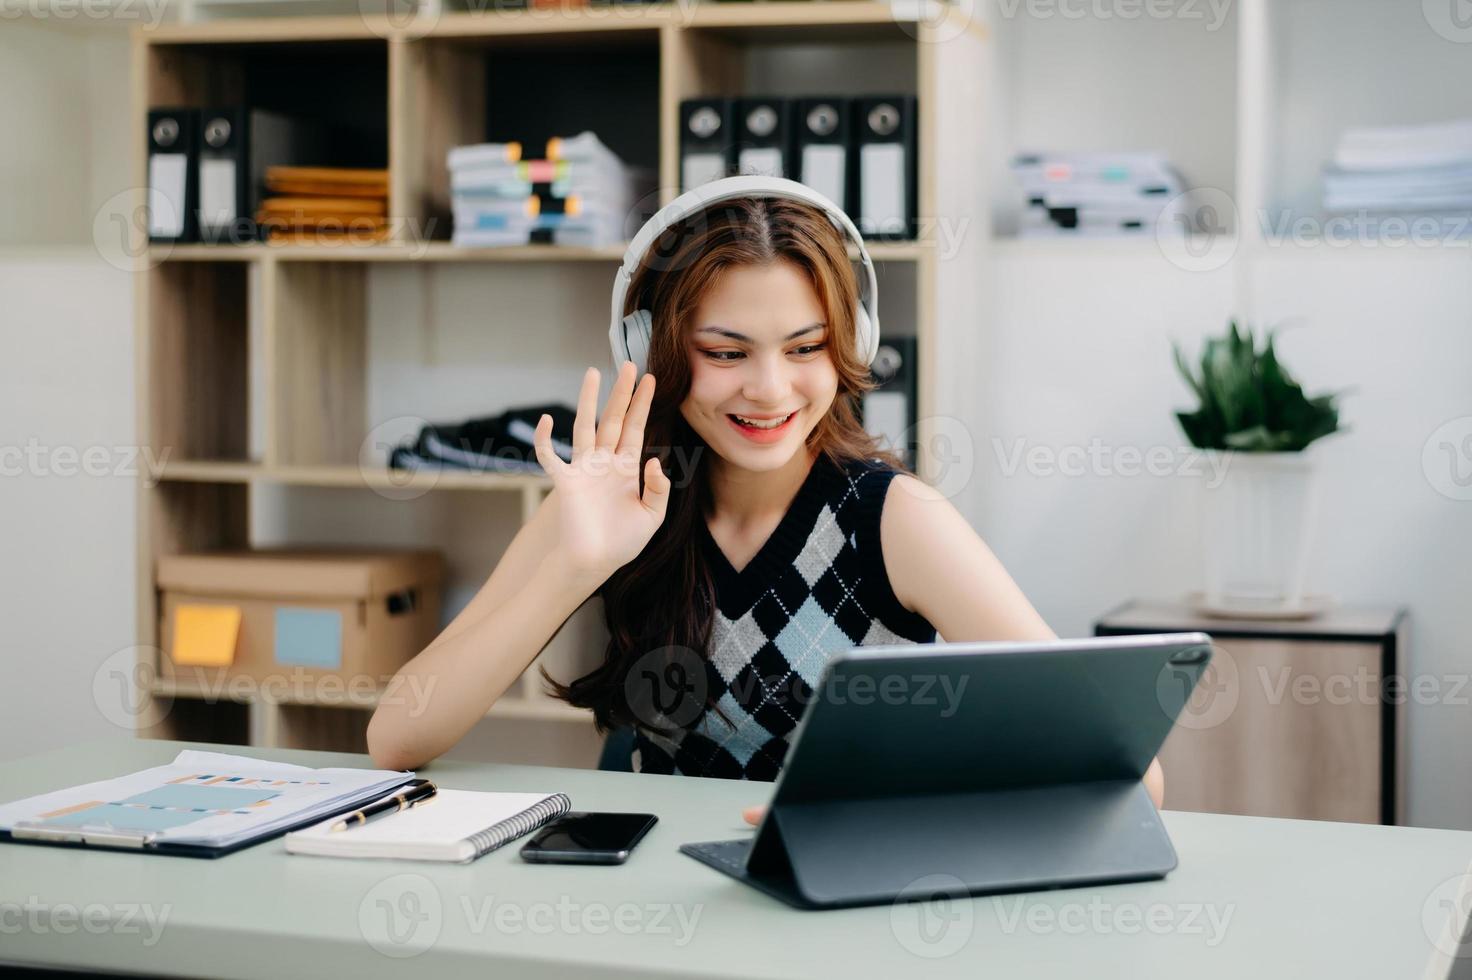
{"x": 1252, "y": 899}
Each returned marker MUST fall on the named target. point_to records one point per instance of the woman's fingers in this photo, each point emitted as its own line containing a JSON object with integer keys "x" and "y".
{"x": 632, "y": 437}
{"x": 656, "y": 489}
{"x": 542, "y": 443}
{"x": 617, "y": 407}
{"x": 582, "y": 426}
{"x": 753, "y": 814}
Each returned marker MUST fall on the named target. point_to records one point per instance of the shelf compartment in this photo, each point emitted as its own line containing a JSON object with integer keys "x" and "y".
{"x": 191, "y": 720}
{"x": 317, "y": 359}
{"x": 336, "y": 90}
{"x": 1349, "y": 63}
{"x": 465, "y": 90}
{"x": 198, "y": 385}
{"x": 343, "y": 85}
{"x": 1072, "y": 85}
{"x": 716, "y": 58}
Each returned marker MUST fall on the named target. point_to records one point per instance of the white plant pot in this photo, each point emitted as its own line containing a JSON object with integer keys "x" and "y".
{"x": 1257, "y": 529}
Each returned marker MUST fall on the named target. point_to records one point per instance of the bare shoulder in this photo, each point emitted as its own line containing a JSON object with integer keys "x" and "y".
{"x": 912, "y": 506}
{"x": 939, "y": 567}
{"x": 915, "y": 523}
{"x": 906, "y": 487}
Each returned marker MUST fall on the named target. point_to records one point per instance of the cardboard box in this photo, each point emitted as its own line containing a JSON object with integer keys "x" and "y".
{"x": 339, "y": 622}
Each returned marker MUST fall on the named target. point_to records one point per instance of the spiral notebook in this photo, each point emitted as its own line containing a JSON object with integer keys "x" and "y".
{"x": 456, "y": 825}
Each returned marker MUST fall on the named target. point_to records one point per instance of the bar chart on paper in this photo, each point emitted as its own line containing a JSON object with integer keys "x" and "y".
{"x": 181, "y": 801}
{"x": 205, "y": 798}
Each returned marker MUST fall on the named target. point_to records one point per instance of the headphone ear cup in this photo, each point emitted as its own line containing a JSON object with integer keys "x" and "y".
{"x": 638, "y": 326}
{"x": 864, "y": 333}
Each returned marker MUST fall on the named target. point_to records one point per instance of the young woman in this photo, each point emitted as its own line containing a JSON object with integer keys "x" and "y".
{"x": 791, "y": 535}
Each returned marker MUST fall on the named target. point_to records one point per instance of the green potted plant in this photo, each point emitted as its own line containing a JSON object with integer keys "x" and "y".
{"x": 1255, "y": 423}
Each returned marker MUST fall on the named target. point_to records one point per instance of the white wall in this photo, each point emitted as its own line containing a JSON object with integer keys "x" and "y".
{"x": 67, "y": 578}
{"x": 1081, "y": 352}
{"x": 65, "y": 118}
{"x": 66, "y": 386}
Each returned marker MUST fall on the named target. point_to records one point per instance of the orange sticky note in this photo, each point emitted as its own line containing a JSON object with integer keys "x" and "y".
{"x": 204, "y": 636}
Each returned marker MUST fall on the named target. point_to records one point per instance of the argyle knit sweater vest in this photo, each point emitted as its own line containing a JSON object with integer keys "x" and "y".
{"x": 818, "y": 586}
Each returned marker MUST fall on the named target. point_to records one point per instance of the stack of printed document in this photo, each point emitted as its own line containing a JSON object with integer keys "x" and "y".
{"x": 581, "y": 193}
{"x": 1404, "y": 171}
{"x": 1086, "y": 194}
{"x": 203, "y": 804}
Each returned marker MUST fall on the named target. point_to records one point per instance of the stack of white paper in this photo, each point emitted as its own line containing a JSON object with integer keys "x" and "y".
{"x": 1403, "y": 170}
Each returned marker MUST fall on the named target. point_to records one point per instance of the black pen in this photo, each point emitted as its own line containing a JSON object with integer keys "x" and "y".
{"x": 412, "y": 794}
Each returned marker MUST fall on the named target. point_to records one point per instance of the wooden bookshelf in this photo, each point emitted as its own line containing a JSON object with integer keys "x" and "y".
{"x": 304, "y": 313}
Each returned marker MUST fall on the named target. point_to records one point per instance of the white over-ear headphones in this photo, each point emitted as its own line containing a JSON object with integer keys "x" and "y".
{"x": 629, "y": 335}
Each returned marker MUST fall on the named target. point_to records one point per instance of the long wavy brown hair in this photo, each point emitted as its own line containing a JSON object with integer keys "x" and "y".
{"x": 665, "y": 597}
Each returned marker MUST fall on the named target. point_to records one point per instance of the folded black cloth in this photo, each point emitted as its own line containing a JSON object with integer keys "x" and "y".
{"x": 504, "y": 443}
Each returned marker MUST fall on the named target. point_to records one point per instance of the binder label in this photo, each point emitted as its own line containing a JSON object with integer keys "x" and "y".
{"x": 882, "y": 190}
{"x": 167, "y": 176}
{"x": 217, "y": 193}
{"x": 822, "y": 170}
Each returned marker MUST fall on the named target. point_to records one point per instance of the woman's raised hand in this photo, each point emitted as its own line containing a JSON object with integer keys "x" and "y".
{"x": 605, "y": 522}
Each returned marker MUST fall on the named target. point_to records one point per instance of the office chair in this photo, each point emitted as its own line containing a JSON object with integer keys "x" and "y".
{"x": 618, "y": 751}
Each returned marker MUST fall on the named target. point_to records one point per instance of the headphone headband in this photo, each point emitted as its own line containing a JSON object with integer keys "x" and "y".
{"x": 726, "y": 189}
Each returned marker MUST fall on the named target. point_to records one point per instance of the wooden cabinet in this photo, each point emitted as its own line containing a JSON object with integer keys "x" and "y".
{"x": 1301, "y": 719}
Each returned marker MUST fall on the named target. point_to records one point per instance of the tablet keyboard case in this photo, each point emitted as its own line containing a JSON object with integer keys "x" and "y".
{"x": 866, "y": 852}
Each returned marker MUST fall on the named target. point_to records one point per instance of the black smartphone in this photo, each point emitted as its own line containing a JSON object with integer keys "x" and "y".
{"x": 588, "y": 838}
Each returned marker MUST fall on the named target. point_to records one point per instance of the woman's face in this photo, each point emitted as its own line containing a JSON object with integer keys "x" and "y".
{"x": 759, "y": 349}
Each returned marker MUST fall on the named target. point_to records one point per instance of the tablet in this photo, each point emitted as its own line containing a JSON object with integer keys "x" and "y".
{"x": 971, "y": 768}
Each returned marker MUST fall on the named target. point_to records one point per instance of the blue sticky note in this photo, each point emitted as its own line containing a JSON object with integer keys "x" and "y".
{"x": 308, "y": 637}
